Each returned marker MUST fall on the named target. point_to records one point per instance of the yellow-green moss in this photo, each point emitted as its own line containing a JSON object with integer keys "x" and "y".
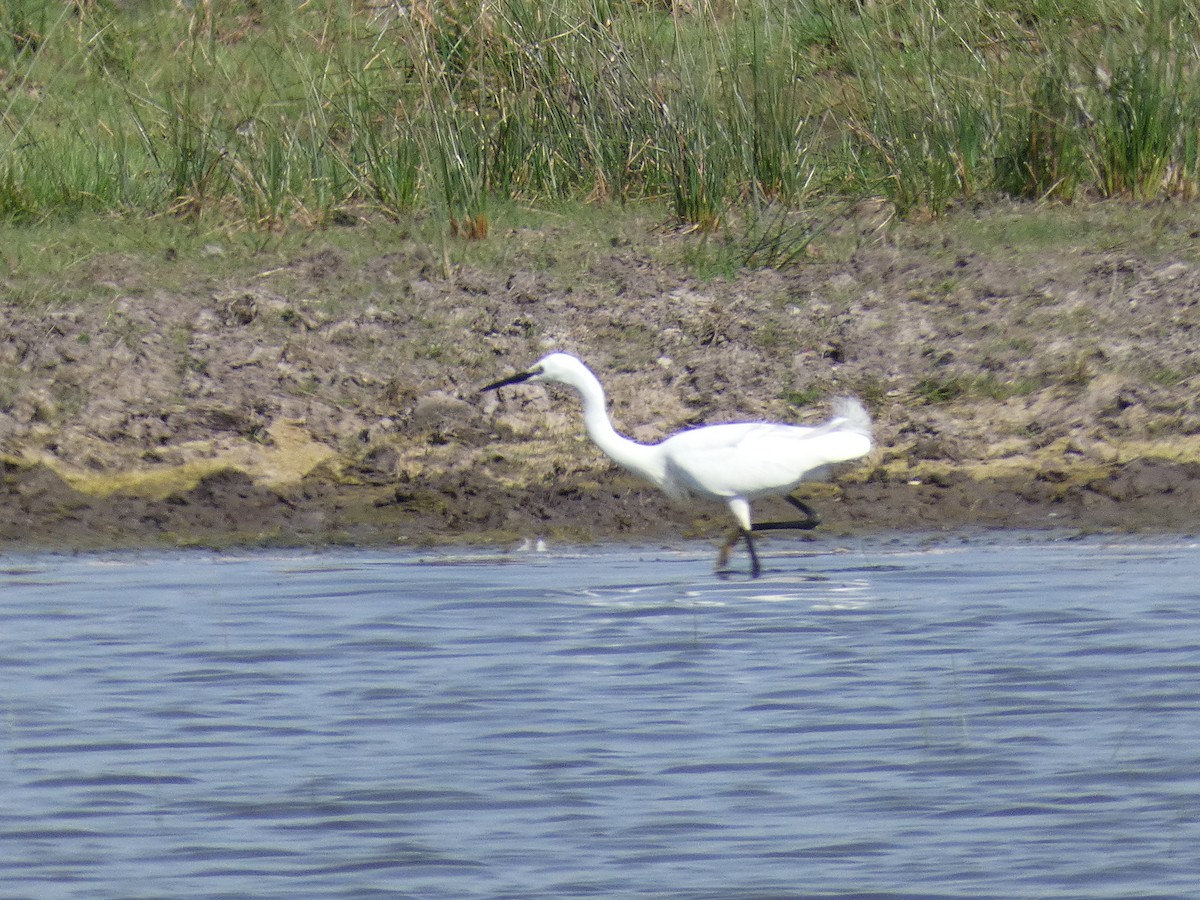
{"x": 287, "y": 456}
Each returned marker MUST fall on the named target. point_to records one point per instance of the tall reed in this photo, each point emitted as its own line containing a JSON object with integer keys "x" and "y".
{"x": 272, "y": 112}
{"x": 1144, "y": 114}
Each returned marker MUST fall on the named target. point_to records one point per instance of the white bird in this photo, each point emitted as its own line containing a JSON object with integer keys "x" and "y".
{"x": 734, "y": 463}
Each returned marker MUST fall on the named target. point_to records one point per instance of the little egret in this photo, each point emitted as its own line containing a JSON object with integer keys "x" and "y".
{"x": 734, "y": 463}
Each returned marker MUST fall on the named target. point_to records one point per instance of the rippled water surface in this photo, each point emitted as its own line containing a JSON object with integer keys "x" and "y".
{"x": 1012, "y": 717}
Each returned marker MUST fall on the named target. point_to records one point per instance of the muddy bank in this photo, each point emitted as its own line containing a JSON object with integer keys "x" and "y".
{"x": 329, "y": 395}
{"x": 229, "y": 509}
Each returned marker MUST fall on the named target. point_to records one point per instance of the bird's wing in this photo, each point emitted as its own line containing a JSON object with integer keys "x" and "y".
{"x": 759, "y": 459}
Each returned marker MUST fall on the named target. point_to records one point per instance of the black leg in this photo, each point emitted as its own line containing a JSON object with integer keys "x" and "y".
{"x": 811, "y": 519}
{"x": 727, "y": 548}
{"x": 810, "y": 514}
{"x": 755, "y": 569}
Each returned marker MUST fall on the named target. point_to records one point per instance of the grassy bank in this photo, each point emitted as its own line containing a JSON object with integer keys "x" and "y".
{"x": 275, "y": 111}
{"x": 1025, "y": 365}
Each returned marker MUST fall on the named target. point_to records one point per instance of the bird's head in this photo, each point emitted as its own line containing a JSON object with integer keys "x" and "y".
{"x": 561, "y": 367}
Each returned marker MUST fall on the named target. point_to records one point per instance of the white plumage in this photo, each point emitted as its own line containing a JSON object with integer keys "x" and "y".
{"x": 734, "y": 463}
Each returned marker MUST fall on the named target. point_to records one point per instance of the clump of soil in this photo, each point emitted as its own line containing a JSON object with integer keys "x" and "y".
{"x": 320, "y": 401}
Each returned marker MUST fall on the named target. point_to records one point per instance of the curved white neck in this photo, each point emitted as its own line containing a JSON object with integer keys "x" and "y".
{"x": 642, "y": 459}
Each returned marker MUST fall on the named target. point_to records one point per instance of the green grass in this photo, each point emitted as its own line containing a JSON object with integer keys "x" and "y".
{"x": 942, "y": 389}
{"x": 272, "y": 114}
{"x": 95, "y": 258}
{"x": 801, "y": 399}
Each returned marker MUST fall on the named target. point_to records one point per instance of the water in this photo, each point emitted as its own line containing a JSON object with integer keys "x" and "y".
{"x": 1009, "y": 717}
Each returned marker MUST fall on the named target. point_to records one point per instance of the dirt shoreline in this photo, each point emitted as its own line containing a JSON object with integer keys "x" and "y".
{"x": 330, "y": 396}
{"x": 42, "y": 512}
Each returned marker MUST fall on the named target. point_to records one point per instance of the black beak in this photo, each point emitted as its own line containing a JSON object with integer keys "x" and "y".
{"x": 511, "y": 379}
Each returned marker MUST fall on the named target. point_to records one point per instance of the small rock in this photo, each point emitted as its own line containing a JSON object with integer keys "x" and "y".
{"x": 241, "y": 309}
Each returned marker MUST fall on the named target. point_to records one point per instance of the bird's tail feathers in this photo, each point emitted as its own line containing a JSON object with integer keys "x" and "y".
{"x": 850, "y": 415}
